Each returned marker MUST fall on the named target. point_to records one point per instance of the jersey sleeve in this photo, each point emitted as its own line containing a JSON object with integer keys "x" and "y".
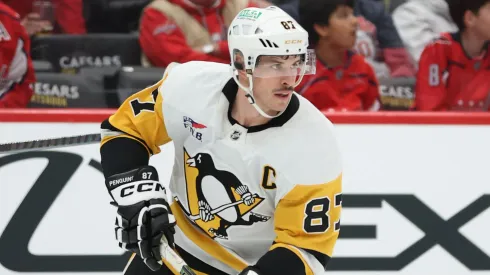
{"x": 307, "y": 217}
{"x": 430, "y": 90}
{"x": 139, "y": 118}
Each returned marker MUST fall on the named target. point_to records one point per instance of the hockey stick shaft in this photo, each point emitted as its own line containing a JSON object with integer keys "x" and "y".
{"x": 169, "y": 255}
{"x": 49, "y": 143}
{"x": 176, "y": 262}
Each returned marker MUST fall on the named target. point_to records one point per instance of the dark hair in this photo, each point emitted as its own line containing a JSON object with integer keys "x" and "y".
{"x": 318, "y": 12}
{"x": 457, "y": 9}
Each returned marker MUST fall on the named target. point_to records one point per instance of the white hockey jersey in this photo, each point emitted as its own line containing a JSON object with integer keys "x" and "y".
{"x": 268, "y": 186}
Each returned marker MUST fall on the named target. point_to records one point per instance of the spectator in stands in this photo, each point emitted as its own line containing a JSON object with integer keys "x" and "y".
{"x": 344, "y": 80}
{"x": 53, "y": 16}
{"x": 391, "y": 5}
{"x": 291, "y": 7}
{"x": 186, "y": 30}
{"x": 379, "y": 42}
{"x": 421, "y": 21}
{"x": 35, "y": 25}
{"x": 454, "y": 70}
{"x": 69, "y": 17}
{"x": 16, "y": 70}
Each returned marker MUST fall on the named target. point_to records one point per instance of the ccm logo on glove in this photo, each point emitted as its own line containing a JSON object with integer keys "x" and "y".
{"x": 142, "y": 187}
{"x": 136, "y": 185}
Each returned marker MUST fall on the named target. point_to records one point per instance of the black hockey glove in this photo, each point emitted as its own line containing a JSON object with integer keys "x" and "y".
{"x": 143, "y": 214}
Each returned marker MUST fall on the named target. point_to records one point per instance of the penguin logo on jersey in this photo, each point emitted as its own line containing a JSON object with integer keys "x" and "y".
{"x": 217, "y": 199}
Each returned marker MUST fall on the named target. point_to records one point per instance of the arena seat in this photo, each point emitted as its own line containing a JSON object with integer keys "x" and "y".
{"x": 41, "y": 66}
{"x": 57, "y": 90}
{"x": 397, "y": 93}
{"x": 133, "y": 79}
{"x": 68, "y": 53}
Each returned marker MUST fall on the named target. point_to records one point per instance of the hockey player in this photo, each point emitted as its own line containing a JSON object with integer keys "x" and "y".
{"x": 256, "y": 183}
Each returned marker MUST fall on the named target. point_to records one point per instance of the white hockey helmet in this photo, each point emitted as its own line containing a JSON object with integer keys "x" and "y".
{"x": 256, "y": 32}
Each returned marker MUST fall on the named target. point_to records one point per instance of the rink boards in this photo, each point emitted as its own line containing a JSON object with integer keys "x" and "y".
{"x": 416, "y": 196}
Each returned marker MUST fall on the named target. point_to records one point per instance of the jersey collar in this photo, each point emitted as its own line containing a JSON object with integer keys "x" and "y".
{"x": 230, "y": 91}
{"x": 346, "y": 64}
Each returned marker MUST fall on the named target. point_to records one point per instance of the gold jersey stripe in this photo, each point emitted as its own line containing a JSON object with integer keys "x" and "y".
{"x": 169, "y": 266}
{"x": 202, "y": 240}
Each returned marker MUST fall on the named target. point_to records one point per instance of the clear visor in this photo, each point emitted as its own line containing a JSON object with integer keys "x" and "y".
{"x": 269, "y": 66}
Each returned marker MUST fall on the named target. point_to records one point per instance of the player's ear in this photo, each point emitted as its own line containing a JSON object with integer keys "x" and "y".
{"x": 469, "y": 18}
{"x": 322, "y": 30}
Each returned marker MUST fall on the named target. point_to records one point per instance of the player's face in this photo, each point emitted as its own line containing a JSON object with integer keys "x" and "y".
{"x": 273, "y": 81}
{"x": 342, "y": 28}
{"x": 481, "y": 21}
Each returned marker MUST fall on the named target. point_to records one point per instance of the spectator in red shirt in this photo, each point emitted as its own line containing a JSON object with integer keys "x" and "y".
{"x": 186, "y": 30}
{"x": 454, "y": 70}
{"x": 344, "y": 80}
{"x": 16, "y": 70}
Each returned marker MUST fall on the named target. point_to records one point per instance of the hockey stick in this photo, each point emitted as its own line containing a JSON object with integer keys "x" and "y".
{"x": 177, "y": 263}
{"x": 49, "y": 143}
{"x": 220, "y": 208}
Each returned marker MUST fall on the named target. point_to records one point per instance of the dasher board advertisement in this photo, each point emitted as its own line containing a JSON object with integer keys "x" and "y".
{"x": 416, "y": 201}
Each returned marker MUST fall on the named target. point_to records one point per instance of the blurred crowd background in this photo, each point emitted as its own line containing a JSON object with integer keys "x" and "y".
{"x": 372, "y": 55}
